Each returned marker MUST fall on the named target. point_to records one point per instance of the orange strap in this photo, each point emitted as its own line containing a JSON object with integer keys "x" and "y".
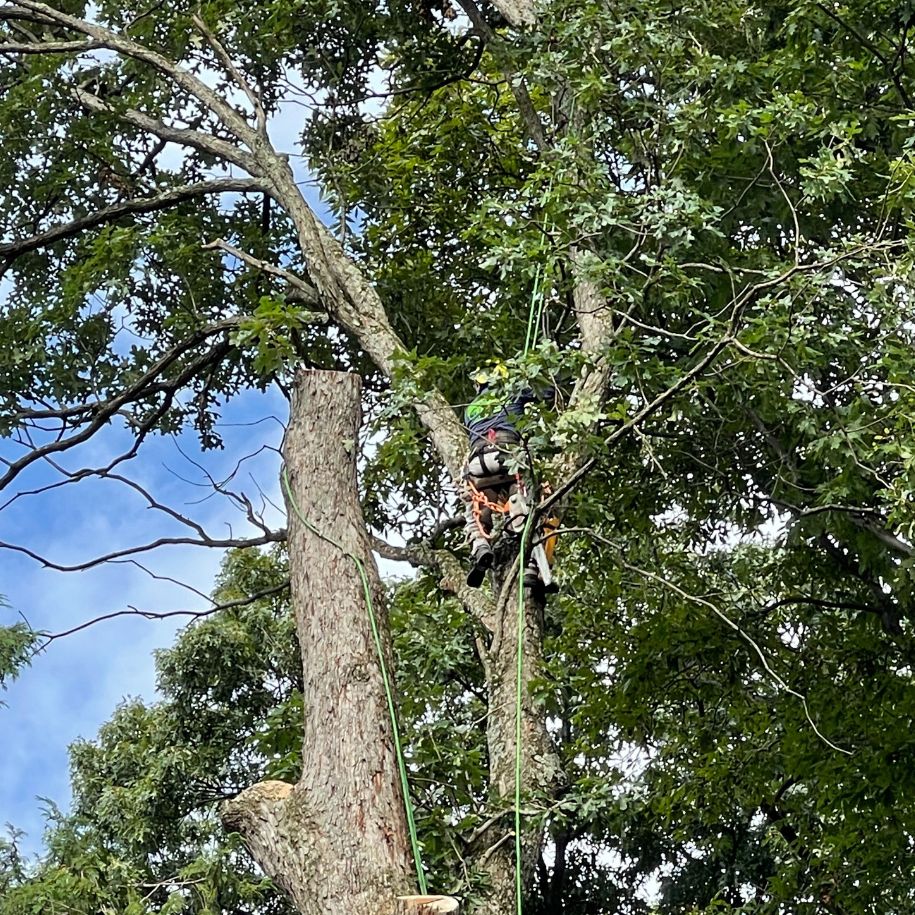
{"x": 549, "y": 543}
{"x": 479, "y": 502}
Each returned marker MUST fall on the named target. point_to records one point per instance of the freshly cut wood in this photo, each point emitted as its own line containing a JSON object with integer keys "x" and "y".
{"x": 426, "y": 905}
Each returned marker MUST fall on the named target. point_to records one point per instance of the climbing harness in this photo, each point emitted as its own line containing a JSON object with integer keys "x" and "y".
{"x": 386, "y": 680}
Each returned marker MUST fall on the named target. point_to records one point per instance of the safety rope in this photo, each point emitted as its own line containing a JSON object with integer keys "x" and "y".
{"x": 535, "y": 313}
{"x": 388, "y": 692}
{"x": 519, "y": 693}
{"x": 533, "y": 317}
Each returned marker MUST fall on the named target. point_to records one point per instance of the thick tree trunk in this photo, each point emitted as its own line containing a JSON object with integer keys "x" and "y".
{"x": 337, "y": 840}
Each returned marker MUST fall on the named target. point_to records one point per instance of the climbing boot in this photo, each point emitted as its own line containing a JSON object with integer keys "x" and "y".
{"x": 482, "y": 563}
{"x": 534, "y": 582}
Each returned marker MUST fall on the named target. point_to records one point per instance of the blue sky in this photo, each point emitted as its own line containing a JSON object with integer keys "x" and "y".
{"x": 72, "y": 688}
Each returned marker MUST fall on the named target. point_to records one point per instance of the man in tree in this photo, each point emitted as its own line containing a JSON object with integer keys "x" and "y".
{"x": 496, "y": 498}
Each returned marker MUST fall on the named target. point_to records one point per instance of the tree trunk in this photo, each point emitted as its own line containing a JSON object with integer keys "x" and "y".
{"x": 337, "y": 840}
{"x": 541, "y": 773}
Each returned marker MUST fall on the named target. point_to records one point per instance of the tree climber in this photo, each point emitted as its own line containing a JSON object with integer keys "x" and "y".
{"x": 494, "y": 494}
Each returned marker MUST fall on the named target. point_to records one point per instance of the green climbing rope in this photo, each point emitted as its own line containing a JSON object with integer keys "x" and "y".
{"x": 519, "y": 694}
{"x": 535, "y": 313}
{"x": 389, "y": 693}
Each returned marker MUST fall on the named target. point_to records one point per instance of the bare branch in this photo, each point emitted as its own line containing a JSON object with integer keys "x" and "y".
{"x": 307, "y": 292}
{"x": 132, "y": 484}
{"x": 148, "y": 384}
{"x": 217, "y": 607}
{"x": 417, "y": 556}
{"x": 121, "y": 555}
{"x": 418, "y": 553}
{"x": 137, "y": 205}
{"x": 233, "y": 71}
{"x": 731, "y": 624}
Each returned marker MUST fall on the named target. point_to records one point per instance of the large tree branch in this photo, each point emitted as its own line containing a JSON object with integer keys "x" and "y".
{"x": 19, "y": 14}
{"x": 425, "y": 556}
{"x": 183, "y": 136}
{"x": 50, "y": 47}
{"x": 596, "y": 330}
{"x": 135, "y": 206}
{"x": 171, "y": 70}
{"x": 352, "y": 301}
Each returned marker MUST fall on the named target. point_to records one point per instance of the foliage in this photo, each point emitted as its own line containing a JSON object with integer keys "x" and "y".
{"x": 143, "y": 835}
{"x": 17, "y": 644}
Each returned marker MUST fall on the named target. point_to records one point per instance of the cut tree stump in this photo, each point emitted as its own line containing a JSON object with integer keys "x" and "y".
{"x": 426, "y": 905}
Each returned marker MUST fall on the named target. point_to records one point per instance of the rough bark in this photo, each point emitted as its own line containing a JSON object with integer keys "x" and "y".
{"x": 596, "y": 329}
{"x": 337, "y": 840}
{"x": 541, "y": 773}
{"x": 517, "y": 12}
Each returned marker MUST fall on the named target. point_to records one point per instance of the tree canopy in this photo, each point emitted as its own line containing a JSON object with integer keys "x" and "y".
{"x": 706, "y": 209}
